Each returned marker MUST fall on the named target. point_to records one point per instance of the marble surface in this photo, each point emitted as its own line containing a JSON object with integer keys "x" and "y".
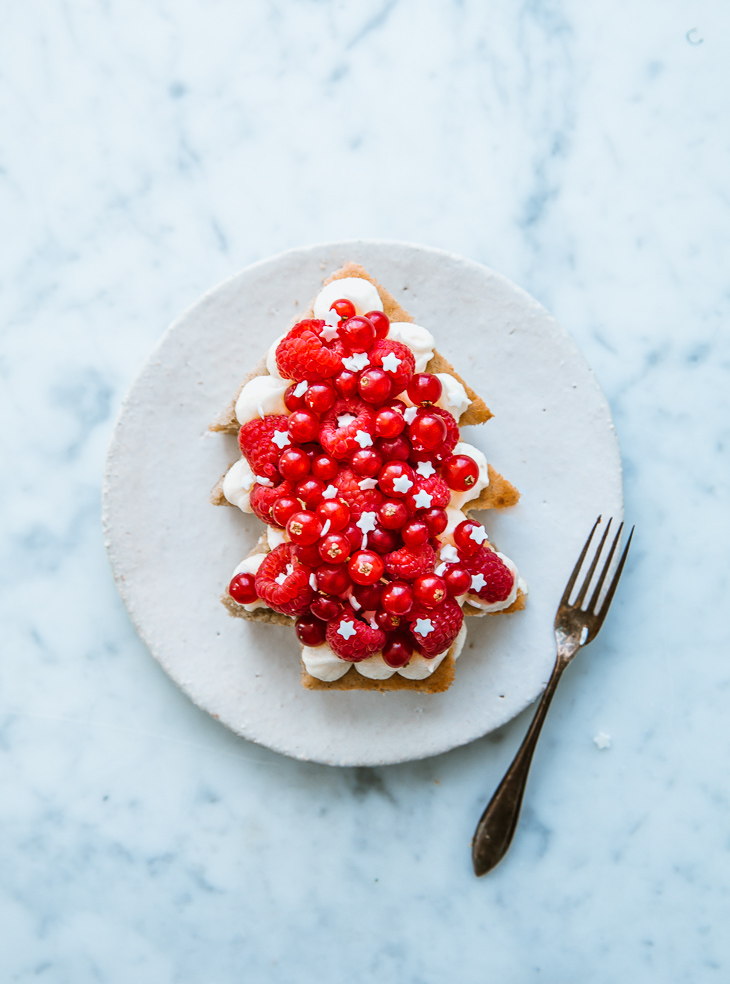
{"x": 150, "y": 150}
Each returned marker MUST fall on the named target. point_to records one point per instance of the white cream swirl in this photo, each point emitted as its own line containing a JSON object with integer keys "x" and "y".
{"x": 419, "y": 340}
{"x": 362, "y": 293}
{"x": 453, "y": 395}
{"x": 261, "y": 396}
{"x": 237, "y": 485}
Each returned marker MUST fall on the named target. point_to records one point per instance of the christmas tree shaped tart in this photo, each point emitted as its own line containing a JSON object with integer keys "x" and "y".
{"x": 352, "y": 457}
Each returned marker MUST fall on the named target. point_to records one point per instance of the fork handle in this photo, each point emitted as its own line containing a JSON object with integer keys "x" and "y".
{"x": 498, "y": 823}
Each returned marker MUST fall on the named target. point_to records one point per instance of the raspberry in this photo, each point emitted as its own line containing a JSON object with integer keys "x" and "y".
{"x": 434, "y": 486}
{"x": 445, "y": 624}
{"x": 407, "y": 563}
{"x": 256, "y": 444}
{"x": 304, "y": 354}
{"x": 359, "y": 500}
{"x": 499, "y": 579}
{"x": 263, "y": 499}
{"x": 283, "y": 583}
{"x": 356, "y": 645}
{"x": 444, "y": 450}
{"x": 338, "y": 434}
{"x": 401, "y": 377}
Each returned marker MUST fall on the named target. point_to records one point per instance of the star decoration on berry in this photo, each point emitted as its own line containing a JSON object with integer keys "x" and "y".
{"x": 363, "y": 439}
{"x": 478, "y": 534}
{"x": 367, "y": 522}
{"x": 478, "y": 581}
{"x": 345, "y": 419}
{"x": 346, "y": 630}
{"x": 330, "y": 492}
{"x": 425, "y": 469}
{"x": 409, "y": 414}
{"x": 391, "y": 362}
{"x": 301, "y": 388}
{"x": 280, "y": 578}
{"x": 402, "y": 483}
{"x": 440, "y": 570}
{"x": 264, "y": 481}
{"x": 330, "y": 331}
{"x": 423, "y": 626}
{"x": 449, "y": 554}
{"x": 368, "y": 483}
{"x": 422, "y": 499}
{"x": 280, "y": 439}
{"x": 356, "y": 362}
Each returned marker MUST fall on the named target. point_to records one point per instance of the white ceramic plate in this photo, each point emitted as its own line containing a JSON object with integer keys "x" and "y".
{"x": 172, "y": 552}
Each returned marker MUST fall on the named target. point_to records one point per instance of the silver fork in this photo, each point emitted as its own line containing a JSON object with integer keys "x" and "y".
{"x": 575, "y": 627}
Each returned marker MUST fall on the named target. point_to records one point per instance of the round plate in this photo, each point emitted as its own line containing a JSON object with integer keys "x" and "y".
{"x": 172, "y": 552}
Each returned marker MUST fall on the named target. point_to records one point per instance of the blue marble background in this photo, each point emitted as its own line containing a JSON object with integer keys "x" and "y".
{"x": 148, "y": 151}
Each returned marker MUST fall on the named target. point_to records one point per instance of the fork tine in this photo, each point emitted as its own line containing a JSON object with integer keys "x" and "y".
{"x": 612, "y": 588}
{"x": 576, "y": 570}
{"x": 596, "y": 594}
{"x": 591, "y": 570}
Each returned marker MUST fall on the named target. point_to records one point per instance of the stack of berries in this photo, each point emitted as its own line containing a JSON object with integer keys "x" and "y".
{"x": 360, "y": 480}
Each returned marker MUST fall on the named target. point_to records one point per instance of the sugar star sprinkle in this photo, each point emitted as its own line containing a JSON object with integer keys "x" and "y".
{"x": 280, "y": 578}
{"x": 422, "y": 499}
{"x": 402, "y": 483}
{"x": 326, "y": 527}
{"x": 346, "y": 629}
{"x": 391, "y": 362}
{"x": 280, "y": 439}
{"x": 367, "y": 522}
{"x": 330, "y": 332}
{"x": 602, "y": 740}
{"x": 409, "y": 414}
{"x": 330, "y": 492}
{"x": 264, "y": 481}
{"x": 301, "y": 388}
{"x": 363, "y": 439}
{"x": 440, "y": 570}
{"x": 345, "y": 419}
{"x": 356, "y": 362}
{"x": 368, "y": 483}
{"x": 423, "y": 626}
{"x": 478, "y": 535}
{"x": 478, "y": 581}
{"x": 312, "y": 582}
{"x": 425, "y": 469}
{"x": 449, "y": 554}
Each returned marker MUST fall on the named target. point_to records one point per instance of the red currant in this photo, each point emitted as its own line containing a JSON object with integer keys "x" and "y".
{"x": 394, "y": 449}
{"x": 294, "y": 464}
{"x": 304, "y": 527}
{"x": 367, "y": 462}
{"x": 430, "y": 590}
{"x": 368, "y": 595}
{"x": 366, "y": 567}
{"x": 415, "y": 533}
{"x": 336, "y": 511}
{"x": 283, "y": 508}
{"x": 310, "y": 492}
{"x": 464, "y": 539}
{"x": 324, "y": 467}
{"x": 344, "y": 307}
{"x": 424, "y": 388}
{"x": 354, "y": 535}
{"x": 332, "y": 578}
{"x": 291, "y": 401}
{"x": 325, "y": 607}
{"x": 397, "y": 651}
{"x": 358, "y": 334}
{"x": 428, "y": 430}
{"x": 310, "y": 630}
{"x": 392, "y": 514}
{"x": 397, "y": 598}
{"x": 303, "y": 426}
{"x": 436, "y": 520}
{"x": 307, "y": 554}
{"x": 459, "y": 471}
{"x": 346, "y": 384}
{"x": 381, "y": 321}
{"x": 320, "y": 397}
{"x": 396, "y": 479}
{"x": 458, "y": 579}
{"x": 382, "y": 541}
{"x": 388, "y": 422}
{"x": 243, "y": 589}
{"x": 374, "y": 385}
{"x": 387, "y": 621}
{"x": 334, "y": 548}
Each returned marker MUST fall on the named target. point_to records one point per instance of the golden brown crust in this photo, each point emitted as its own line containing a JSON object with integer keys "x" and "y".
{"x": 440, "y": 680}
{"x": 517, "y": 606}
{"x": 497, "y": 495}
{"x": 477, "y": 412}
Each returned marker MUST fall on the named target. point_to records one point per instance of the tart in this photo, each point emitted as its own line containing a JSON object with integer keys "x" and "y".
{"x": 352, "y": 457}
